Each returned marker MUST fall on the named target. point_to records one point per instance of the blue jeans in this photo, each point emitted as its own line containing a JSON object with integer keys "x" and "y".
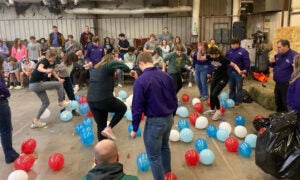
{"x": 156, "y": 140}
{"x": 235, "y": 87}
{"x": 6, "y": 131}
{"x": 201, "y": 79}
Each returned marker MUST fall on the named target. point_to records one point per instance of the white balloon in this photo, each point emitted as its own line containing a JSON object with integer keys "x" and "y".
{"x": 226, "y": 126}
{"x": 201, "y": 122}
{"x": 18, "y": 175}
{"x": 174, "y": 135}
{"x": 195, "y": 100}
{"x": 129, "y": 99}
{"x": 46, "y": 114}
{"x": 240, "y": 131}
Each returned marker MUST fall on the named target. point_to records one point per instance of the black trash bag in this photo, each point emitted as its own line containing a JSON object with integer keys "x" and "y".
{"x": 246, "y": 97}
{"x": 277, "y": 150}
{"x": 260, "y": 123}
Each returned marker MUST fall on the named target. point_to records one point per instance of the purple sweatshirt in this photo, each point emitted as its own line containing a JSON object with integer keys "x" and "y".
{"x": 154, "y": 94}
{"x": 4, "y": 93}
{"x": 283, "y": 66}
{"x": 293, "y": 96}
{"x": 94, "y": 54}
{"x": 240, "y": 57}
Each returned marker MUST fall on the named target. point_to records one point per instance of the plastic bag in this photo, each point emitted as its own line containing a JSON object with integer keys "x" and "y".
{"x": 261, "y": 122}
{"x": 277, "y": 150}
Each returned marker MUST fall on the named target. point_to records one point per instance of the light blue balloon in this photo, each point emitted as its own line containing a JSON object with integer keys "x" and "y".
{"x": 245, "y": 149}
{"x": 130, "y": 128}
{"x": 87, "y": 121}
{"x": 77, "y": 97}
{"x": 211, "y": 131}
{"x": 78, "y": 128}
{"x": 83, "y": 108}
{"x": 73, "y": 105}
{"x": 186, "y": 135}
{"x": 251, "y": 140}
{"x": 239, "y": 120}
{"x": 87, "y": 137}
{"x": 200, "y": 144}
{"x": 222, "y": 135}
{"x": 122, "y": 94}
{"x": 182, "y": 123}
{"x": 207, "y": 157}
{"x": 224, "y": 104}
{"x": 128, "y": 115}
{"x": 230, "y": 103}
{"x": 142, "y": 162}
{"x": 120, "y": 98}
{"x": 66, "y": 116}
{"x": 183, "y": 112}
{"x": 223, "y": 96}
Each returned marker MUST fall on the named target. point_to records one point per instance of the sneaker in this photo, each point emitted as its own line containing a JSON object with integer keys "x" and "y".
{"x": 203, "y": 99}
{"x": 64, "y": 104}
{"x": 190, "y": 84}
{"x": 75, "y": 113}
{"x": 11, "y": 87}
{"x": 18, "y": 87}
{"x": 109, "y": 135}
{"x": 120, "y": 85}
{"x": 209, "y": 112}
{"x": 217, "y": 115}
{"x": 38, "y": 124}
{"x": 76, "y": 89}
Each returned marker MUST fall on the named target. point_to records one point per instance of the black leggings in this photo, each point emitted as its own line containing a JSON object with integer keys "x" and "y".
{"x": 215, "y": 89}
{"x": 177, "y": 80}
{"x": 100, "y": 112}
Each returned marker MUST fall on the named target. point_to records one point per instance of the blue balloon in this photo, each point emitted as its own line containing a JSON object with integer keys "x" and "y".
{"x": 142, "y": 162}
{"x": 200, "y": 144}
{"x": 239, "y": 120}
{"x": 78, "y": 128}
{"x": 122, "y": 94}
{"x": 183, "y": 112}
{"x": 224, "y": 104}
{"x": 128, "y": 115}
{"x": 87, "y": 137}
{"x": 66, "y": 116}
{"x": 186, "y": 135}
{"x": 222, "y": 135}
{"x": 77, "y": 97}
{"x": 73, "y": 105}
{"x": 230, "y": 103}
{"x": 87, "y": 121}
{"x": 211, "y": 131}
{"x": 245, "y": 149}
{"x": 83, "y": 108}
{"x": 251, "y": 140}
{"x": 223, "y": 96}
{"x": 207, "y": 157}
{"x": 182, "y": 123}
{"x": 130, "y": 128}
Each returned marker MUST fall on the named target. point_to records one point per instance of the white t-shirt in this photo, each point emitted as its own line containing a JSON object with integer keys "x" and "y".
{"x": 28, "y": 67}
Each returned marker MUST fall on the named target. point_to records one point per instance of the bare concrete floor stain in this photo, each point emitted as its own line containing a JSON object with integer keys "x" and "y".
{"x": 59, "y": 136}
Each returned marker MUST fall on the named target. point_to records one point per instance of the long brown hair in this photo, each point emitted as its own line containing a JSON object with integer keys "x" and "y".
{"x": 296, "y": 72}
{"x": 107, "y": 58}
{"x": 16, "y": 45}
{"x": 70, "y": 59}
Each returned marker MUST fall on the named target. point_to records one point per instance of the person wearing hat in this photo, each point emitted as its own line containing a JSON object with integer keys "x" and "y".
{"x": 27, "y": 69}
{"x": 14, "y": 71}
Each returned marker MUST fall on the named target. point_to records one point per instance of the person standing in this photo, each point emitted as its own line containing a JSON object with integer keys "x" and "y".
{"x": 154, "y": 94}
{"x": 71, "y": 45}
{"x": 167, "y": 36}
{"x": 240, "y": 57}
{"x": 282, "y": 64}
{"x": 56, "y": 40}
{"x": 94, "y": 53}
{"x": 293, "y": 99}
{"x": 123, "y": 45}
{"x": 10, "y": 153}
{"x": 86, "y": 37}
{"x": 34, "y": 50}
{"x": 100, "y": 96}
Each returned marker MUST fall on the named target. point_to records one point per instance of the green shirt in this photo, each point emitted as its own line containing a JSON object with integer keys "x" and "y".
{"x": 176, "y": 63}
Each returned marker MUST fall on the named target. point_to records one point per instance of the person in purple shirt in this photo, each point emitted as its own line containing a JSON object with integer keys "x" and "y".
{"x": 293, "y": 94}
{"x": 5, "y": 121}
{"x": 240, "y": 57}
{"x": 154, "y": 94}
{"x": 282, "y": 63}
{"x": 95, "y": 52}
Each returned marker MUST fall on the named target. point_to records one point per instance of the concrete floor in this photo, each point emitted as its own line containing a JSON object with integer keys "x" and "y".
{"x": 59, "y": 136}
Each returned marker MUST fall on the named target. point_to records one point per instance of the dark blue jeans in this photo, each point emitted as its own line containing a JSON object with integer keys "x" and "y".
{"x": 156, "y": 140}
{"x": 201, "y": 79}
{"x": 6, "y": 132}
{"x": 235, "y": 87}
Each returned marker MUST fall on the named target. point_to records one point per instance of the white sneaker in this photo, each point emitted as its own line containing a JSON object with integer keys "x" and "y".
{"x": 75, "y": 89}
{"x": 18, "y": 87}
{"x": 11, "y": 87}
{"x": 190, "y": 84}
{"x": 64, "y": 104}
{"x": 38, "y": 124}
{"x": 217, "y": 115}
{"x": 120, "y": 85}
{"x": 209, "y": 112}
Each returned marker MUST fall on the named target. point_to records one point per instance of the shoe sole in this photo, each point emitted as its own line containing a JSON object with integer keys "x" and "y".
{"x": 108, "y": 135}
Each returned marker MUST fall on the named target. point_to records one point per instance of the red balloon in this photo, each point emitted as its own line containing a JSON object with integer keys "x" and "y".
{"x": 222, "y": 109}
{"x": 192, "y": 157}
{"x": 208, "y": 102}
{"x": 56, "y": 161}
{"x": 231, "y": 144}
{"x": 90, "y": 114}
{"x": 198, "y": 107}
{"x": 185, "y": 98}
{"x": 193, "y": 117}
{"x": 170, "y": 176}
{"x": 258, "y": 117}
{"x": 82, "y": 99}
{"x": 261, "y": 130}
{"x": 28, "y": 146}
{"x": 24, "y": 162}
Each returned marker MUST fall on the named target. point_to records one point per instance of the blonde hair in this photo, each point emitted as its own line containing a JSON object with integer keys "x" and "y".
{"x": 51, "y": 53}
{"x": 104, "y": 60}
{"x": 296, "y": 72}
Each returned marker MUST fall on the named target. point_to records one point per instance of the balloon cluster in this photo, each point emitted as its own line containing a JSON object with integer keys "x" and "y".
{"x": 85, "y": 131}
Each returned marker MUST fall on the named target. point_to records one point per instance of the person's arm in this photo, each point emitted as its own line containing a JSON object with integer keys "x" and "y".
{"x": 62, "y": 40}
{"x": 167, "y": 58}
{"x": 246, "y": 61}
{"x": 48, "y": 41}
{"x": 4, "y": 92}
{"x": 235, "y": 67}
{"x": 113, "y": 65}
{"x": 57, "y": 77}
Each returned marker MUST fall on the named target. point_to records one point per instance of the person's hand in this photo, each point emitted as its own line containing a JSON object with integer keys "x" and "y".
{"x": 133, "y": 74}
{"x": 49, "y": 70}
{"x": 272, "y": 59}
{"x": 133, "y": 134}
{"x": 90, "y": 64}
{"x": 208, "y": 76}
{"x": 61, "y": 80}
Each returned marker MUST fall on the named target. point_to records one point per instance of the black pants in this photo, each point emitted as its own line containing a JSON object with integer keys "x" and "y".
{"x": 280, "y": 96}
{"x": 68, "y": 88}
{"x": 177, "y": 80}
{"x": 100, "y": 112}
{"x": 80, "y": 76}
{"x": 216, "y": 88}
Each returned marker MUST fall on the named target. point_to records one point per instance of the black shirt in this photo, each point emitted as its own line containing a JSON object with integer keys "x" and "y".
{"x": 124, "y": 44}
{"x": 219, "y": 66}
{"x": 38, "y": 76}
